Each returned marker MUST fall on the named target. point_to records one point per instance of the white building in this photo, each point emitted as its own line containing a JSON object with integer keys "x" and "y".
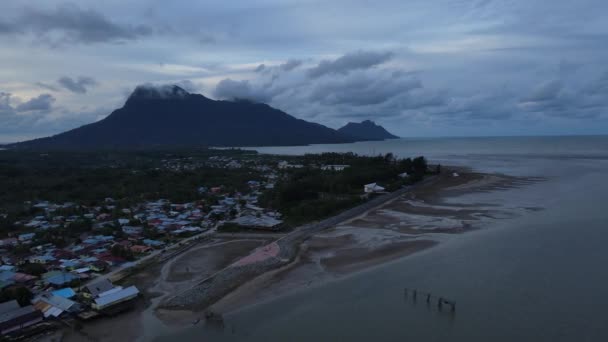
{"x": 372, "y": 187}
{"x": 334, "y": 167}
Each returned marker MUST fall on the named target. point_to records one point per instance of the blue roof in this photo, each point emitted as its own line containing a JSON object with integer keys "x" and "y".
{"x": 65, "y": 293}
{"x": 153, "y": 242}
{"x": 7, "y": 275}
{"x": 116, "y": 297}
{"x": 70, "y": 263}
{"x": 61, "y": 279}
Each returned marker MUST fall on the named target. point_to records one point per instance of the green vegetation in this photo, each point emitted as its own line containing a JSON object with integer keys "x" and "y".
{"x": 310, "y": 193}
{"x": 87, "y": 178}
{"x": 22, "y": 294}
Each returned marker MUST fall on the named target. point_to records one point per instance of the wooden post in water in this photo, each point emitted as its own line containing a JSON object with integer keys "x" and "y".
{"x": 453, "y": 306}
{"x": 405, "y": 292}
{"x": 415, "y": 293}
{"x": 440, "y": 303}
{"x": 428, "y": 297}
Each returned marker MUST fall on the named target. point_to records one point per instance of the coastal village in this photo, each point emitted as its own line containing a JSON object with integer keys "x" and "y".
{"x": 48, "y": 281}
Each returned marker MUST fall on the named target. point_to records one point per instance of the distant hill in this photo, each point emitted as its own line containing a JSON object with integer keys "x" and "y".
{"x": 170, "y": 116}
{"x": 366, "y": 130}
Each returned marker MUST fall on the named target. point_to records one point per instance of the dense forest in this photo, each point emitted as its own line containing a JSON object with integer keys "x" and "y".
{"x": 312, "y": 193}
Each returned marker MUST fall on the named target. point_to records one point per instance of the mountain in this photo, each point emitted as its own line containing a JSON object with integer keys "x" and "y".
{"x": 170, "y": 116}
{"x": 366, "y": 130}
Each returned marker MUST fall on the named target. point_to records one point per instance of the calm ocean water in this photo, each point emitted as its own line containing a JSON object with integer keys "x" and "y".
{"x": 538, "y": 277}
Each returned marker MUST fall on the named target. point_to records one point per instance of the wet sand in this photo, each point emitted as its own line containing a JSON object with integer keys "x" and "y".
{"x": 414, "y": 222}
{"x": 417, "y": 221}
{"x": 158, "y": 281}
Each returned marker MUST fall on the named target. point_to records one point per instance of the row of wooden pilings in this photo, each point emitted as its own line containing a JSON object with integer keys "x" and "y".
{"x": 429, "y": 297}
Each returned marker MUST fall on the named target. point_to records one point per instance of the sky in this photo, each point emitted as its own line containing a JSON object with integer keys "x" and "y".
{"x": 417, "y": 67}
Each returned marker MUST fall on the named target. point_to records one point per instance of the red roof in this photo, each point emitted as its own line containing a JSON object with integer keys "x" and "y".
{"x": 140, "y": 249}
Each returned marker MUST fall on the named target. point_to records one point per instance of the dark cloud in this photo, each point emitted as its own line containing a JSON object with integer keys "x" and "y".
{"x": 546, "y": 91}
{"x": 5, "y": 102}
{"x": 47, "y": 86}
{"x": 7, "y": 28}
{"x": 363, "y": 89}
{"x": 188, "y": 86}
{"x": 77, "y": 85}
{"x": 599, "y": 86}
{"x": 260, "y": 68}
{"x": 352, "y": 61}
{"x": 229, "y": 89}
{"x": 36, "y": 117}
{"x": 41, "y": 103}
{"x": 290, "y": 64}
{"x": 70, "y": 23}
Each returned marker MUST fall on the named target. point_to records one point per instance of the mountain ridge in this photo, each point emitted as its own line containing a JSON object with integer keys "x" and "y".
{"x": 366, "y": 130}
{"x": 171, "y": 116}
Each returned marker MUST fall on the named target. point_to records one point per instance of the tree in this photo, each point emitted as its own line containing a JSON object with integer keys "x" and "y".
{"x": 34, "y": 269}
{"x": 21, "y": 294}
{"x": 122, "y": 252}
{"x": 419, "y": 166}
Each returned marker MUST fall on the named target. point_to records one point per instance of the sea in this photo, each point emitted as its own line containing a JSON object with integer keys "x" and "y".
{"x": 542, "y": 276}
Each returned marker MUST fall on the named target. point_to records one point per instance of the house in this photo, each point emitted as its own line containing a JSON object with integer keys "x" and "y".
{"x": 54, "y": 306}
{"x": 139, "y": 249}
{"x": 41, "y": 259}
{"x": 14, "y": 317}
{"x": 24, "y": 278}
{"x": 81, "y": 270}
{"x": 58, "y": 278}
{"x": 372, "y": 187}
{"x": 98, "y": 266}
{"x": 264, "y": 221}
{"x": 404, "y": 175}
{"x": 100, "y": 286}
{"x": 334, "y": 167}
{"x": 65, "y": 293}
{"x": 7, "y": 268}
{"x": 26, "y": 237}
{"x": 9, "y": 242}
{"x": 70, "y": 264}
{"x": 7, "y": 278}
{"x": 111, "y": 260}
{"x": 111, "y": 298}
{"x": 122, "y": 221}
{"x": 153, "y": 243}
{"x": 130, "y": 230}
{"x": 285, "y": 165}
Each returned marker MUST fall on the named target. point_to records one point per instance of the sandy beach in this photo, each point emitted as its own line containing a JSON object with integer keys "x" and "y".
{"x": 418, "y": 220}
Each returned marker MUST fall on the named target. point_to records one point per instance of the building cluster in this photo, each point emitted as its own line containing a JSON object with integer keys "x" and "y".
{"x": 51, "y": 270}
{"x": 54, "y": 265}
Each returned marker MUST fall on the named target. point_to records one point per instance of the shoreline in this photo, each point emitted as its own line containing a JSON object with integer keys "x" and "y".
{"x": 349, "y": 256}
{"x": 412, "y": 222}
{"x": 275, "y": 255}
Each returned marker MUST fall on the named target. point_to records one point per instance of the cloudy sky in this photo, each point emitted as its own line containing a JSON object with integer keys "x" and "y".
{"x": 418, "y": 67}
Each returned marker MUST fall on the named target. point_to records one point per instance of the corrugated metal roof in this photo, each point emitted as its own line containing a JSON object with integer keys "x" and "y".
{"x": 117, "y": 297}
{"x": 8, "y": 306}
{"x": 65, "y": 293}
{"x": 100, "y": 286}
{"x": 7, "y": 316}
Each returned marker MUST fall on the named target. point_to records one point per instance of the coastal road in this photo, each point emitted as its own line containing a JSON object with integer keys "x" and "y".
{"x": 312, "y": 228}
{"x": 217, "y": 284}
{"x": 112, "y": 275}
